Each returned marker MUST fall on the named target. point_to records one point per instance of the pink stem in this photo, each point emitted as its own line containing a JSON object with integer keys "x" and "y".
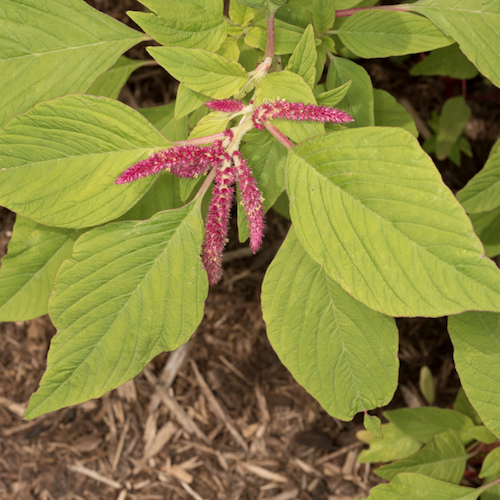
{"x": 278, "y": 135}
{"x": 270, "y": 36}
{"x": 350, "y": 12}
{"x": 201, "y": 140}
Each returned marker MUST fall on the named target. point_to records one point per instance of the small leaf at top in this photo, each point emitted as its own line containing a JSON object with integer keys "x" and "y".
{"x": 303, "y": 60}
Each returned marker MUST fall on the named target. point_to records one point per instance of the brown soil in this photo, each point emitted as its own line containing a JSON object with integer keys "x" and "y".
{"x": 221, "y": 418}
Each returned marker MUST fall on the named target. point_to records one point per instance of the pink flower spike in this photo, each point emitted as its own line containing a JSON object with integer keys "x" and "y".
{"x": 252, "y": 202}
{"x": 182, "y": 161}
{"x": 217, "y": 224}
{"x": 225, "y": 105}
{"x": 297, "y": 111}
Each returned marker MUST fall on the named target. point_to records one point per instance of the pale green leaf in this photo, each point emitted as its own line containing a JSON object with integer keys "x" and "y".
{"x": 348, "y": 4}
{"x": 184, "y": 23}
{"x": 60, "y": 160}
{"x": 389, "y": 113}
{"x": 54, "y": 48}
{"x": 448, "y": 61}
{"x": 287, "y": 36}
{"x": 476, "y": 340}
{"x": 424, "y": 422}
{"x": 28, "y": 270}
{"x": 241, "y": 14}
{"x": 332, "y": 97}
{"x": 320, "y": 62}
{"x": 370, "y": 206}
{"x": 359, "y": 100}
{"x": 373, "y": 424}
{"x": 491, "y": 464}
{"x": 213, "y": 123}
{"x": 323, "y": 15}
{"x": 111, "y": 81}
{"x": 229, "y": 50}
{"x": 376, "y": 33}
{"x": 482, "y": 434}
{"x": 487, "y": 227}
{"x": 482, "y": 192}
{"x": 444, "y": 458}
{"x": 303, "y": 60}
{"x": 393, "y": 446}
{"x": 291, "y": 87}
{"x": 297, "y": 16}
{"x": 426, "y": 384}
{"x": 454, "y": 116}
{"x": 463, "y": 405}
{"x": 474, "y": 24}
{"x": 162, "y": 117}
{"x": 130, "y": 291}
{"x": 266, "y": 6}
{"x": 340, "y": 351}
{"x": 410, "y": 485}
{"x": 492, "y": 493}
{"x": 187, "y": 101}
{"x": 201, "y": 71}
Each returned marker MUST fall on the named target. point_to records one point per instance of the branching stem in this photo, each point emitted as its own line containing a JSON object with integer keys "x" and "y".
{"x": 278, "y": 135}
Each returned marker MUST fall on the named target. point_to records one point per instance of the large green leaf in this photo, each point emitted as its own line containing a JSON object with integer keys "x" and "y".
{"x": 111, "y": 82}
{"x": 130, "y": 291}
{"x": 340, "y": 351}
{"x": 201, "y": 71}
{"x": 61, "y": 158}
{"x": 359, "y": 100}
{"x": 54, "y": 48}
{"x": 482, "y": 192}
{"x": 291, "y": 87}
{"x": 444, "y": 457}
{"x": 476, "y": 340}
{"x": 185, "y": 23}
{"x": 375, "y": 33}
{"x": 410, "y": 485}
{"x": 424, "y": 423}
{"x": 474, "y": 24}
{"x": 28, "y": 270}
{"x": 370, "y": 206}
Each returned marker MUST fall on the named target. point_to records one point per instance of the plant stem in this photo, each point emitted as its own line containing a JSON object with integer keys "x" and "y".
{"x": 270, "y": 37}
{"x": 201, "y": 140}
{"x": 488, "y": 485}
{"x": 278, "y": 135}
{"x": 350, "y": 12}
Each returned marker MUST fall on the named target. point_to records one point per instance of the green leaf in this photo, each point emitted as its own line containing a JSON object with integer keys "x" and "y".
{"x": 320, "y": 62}
{"x": 130, "y": 291}
{"x": 297, "y": 16}
{"x": 323, "y": 15}
{"x": 162, "y": 117}
{"x": 303, "y": 60}
{"x": 111, "y": 81}
{"x": 340, "y": 351}
{"x": 229, "y": 50}
{"x": 492, "y": 493}
{"x": 291, "y": 87}
{"x": 424, "y": 422}
{"x": 373, "y": 424}
{"x": 43, "y": 49}
{"x": 332, "y": 97}
{"x": 61, "y": 159}
{"x": 213, "y": 123}
{"x": 487, "y": 227}
{"x": 389, "y": 113}
{"x": 394, "y": 445}
{"x": 241, "y": 14}
{"x": 287, "y": 36}
{"x": 444, "y": 457}
{"x": 491, "y": 464}
{"x": 476, "y": 340}
{"x": 482, "y": 434}
{"x": 187, "y": 101}
{"x": 376, "y": 33}
{"x": 185, "y": 23}
{"x": 426, "y": 384}
{"x": 411, "y": 485}
{"x": 28, "y": 270}
{"x": 359, "y": 100}
{"x": 474, "y": 24}
{"x": 482, "y": 192}
{"x": 370, "y": 206}
{"x": 463, "y": 405}
{"x": 201, "y": 71}
{"x": 266, "y": 6}
{"x": 448, "y": 61}
{"x": 452, "y": 121}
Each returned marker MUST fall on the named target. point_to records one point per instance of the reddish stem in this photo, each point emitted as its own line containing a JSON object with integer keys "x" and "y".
{"x": 278, "y": 135}
{"x": 350, "y": 12}
{"x": 202, "y": 140}
{"x": 270, "y": 36}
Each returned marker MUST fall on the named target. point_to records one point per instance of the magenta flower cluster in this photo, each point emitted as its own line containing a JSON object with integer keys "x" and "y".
{"x": 230, "y": 170}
